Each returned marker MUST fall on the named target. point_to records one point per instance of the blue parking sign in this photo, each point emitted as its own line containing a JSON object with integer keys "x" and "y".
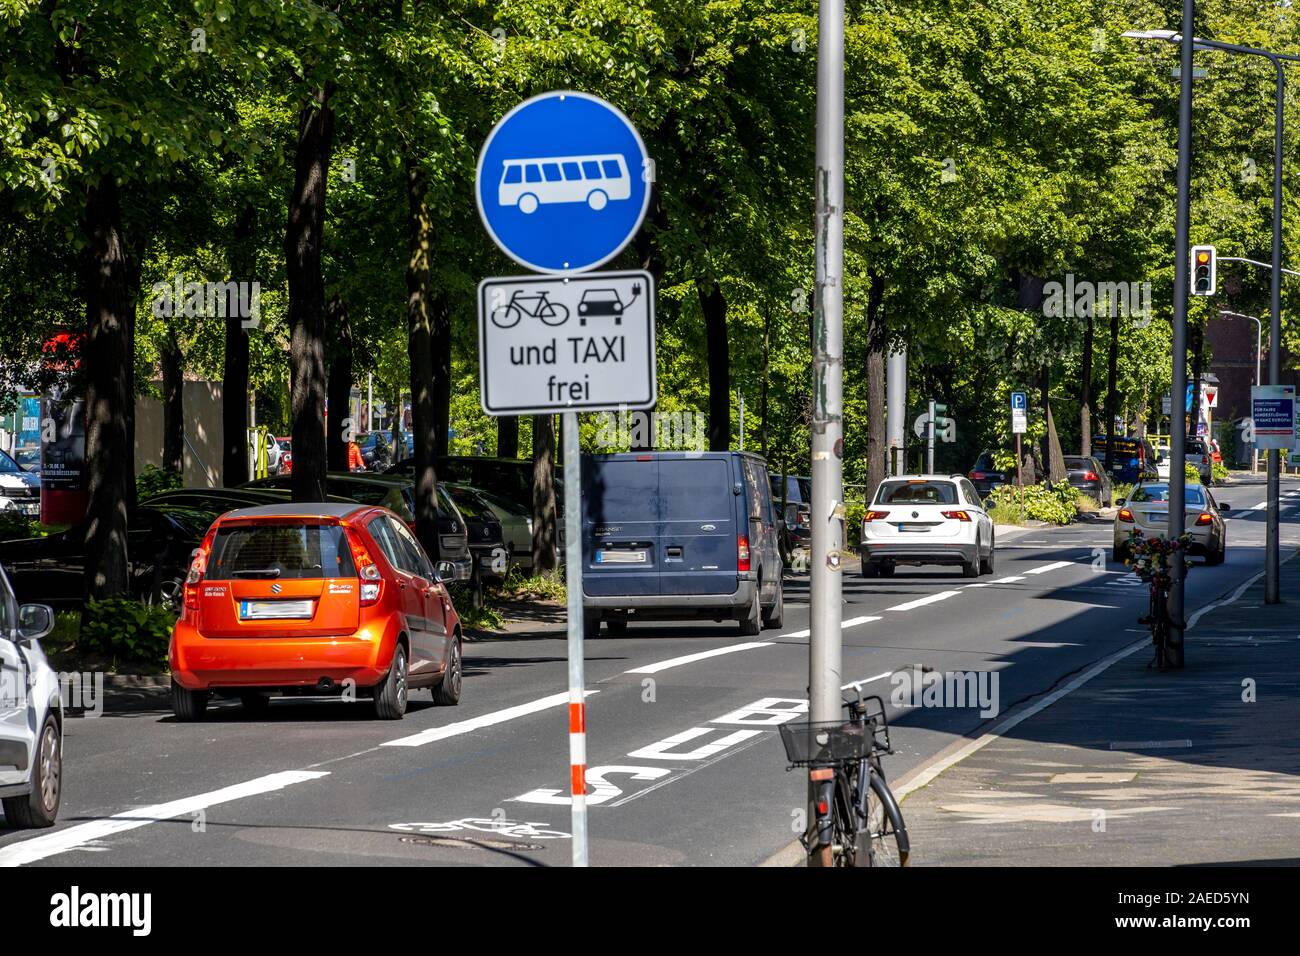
{"x": 563, "y": 182}
{"x": 1019, "y": 402}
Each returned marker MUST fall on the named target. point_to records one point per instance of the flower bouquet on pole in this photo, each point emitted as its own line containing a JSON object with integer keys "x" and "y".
{"x": 1152, "y": 558}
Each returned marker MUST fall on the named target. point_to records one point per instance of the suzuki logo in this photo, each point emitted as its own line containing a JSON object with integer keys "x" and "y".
{"x": 276, "y": 589}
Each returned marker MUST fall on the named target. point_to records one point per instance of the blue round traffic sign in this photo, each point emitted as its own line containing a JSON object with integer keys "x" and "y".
{"x": 562, "y": 182}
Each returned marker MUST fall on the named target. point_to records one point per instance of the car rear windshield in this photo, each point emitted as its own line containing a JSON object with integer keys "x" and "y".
{"x": 1193, "y": 495}
{"x": 1084, "y": 463}
{"x": 281, "y": 550}
{"x": 695, "y": 489}
{"x": 917, "y": 493}
{"x": 1195, "y": 446}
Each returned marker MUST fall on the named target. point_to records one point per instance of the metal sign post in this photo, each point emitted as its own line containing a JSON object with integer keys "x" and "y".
{"x": 563, "y": 183}
{"x": 929, "y": 440}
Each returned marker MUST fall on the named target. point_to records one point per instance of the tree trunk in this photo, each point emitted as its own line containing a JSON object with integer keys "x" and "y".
{"x": 1112, "y": 396}
{"x": 714, "y": 306}
{"x": 441, "y": 373}
{"x": 876, "y": 344}
{"x": 545, "y": 559}
{"x": 338, "y": 421}
{"x": 767, "y": 375}
{"x": 1085, "y": 392}
{"x": 420, "y": 352}
{"x": 302, "y": 248}
{"x": 234, "y": 385}
{"x": 1053, "y": 459}
{"x": 508, "y": 436}
{"x": 109, "y": 372}
{"x": 173, "y": 385}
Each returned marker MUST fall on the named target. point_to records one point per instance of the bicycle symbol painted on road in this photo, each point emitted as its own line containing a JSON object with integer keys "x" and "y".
{"x": 538, "y": 306}
{"x": 499, "y": 826}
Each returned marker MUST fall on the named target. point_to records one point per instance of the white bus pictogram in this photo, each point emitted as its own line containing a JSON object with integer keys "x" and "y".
{"x": 596, "y": 180}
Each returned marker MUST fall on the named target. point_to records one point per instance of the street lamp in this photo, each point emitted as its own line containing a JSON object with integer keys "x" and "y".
{"x": 1259, "y": 350}
{"x": 1272, "y": 553}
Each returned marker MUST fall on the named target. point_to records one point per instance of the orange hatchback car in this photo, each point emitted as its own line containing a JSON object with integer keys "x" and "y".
{"x": 313, "y": 600}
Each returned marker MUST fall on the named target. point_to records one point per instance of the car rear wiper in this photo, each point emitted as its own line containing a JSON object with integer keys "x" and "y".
{"x": 257, "y": 573}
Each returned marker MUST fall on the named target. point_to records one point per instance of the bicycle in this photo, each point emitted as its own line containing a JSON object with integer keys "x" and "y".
{"x": 1151, "y": 559}
{"x": 856, "y": 820}
{"x": 537, "y": 306}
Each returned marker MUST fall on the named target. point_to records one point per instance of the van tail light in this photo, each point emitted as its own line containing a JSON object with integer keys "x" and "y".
{"x": 875, "y": 516}
{"x": 742, "y": 553}
{"x": 371, "y": 579}
{"x": 956, "y": 515}
{"x": 1091, "y": 476}
{"x": 198, "y": 567}
{"x": 1125, "y": 515}
{"x": 1205, "y": 518}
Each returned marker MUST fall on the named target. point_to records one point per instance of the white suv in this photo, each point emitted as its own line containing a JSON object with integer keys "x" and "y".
{"x": 31, "y": 716}
{"x": 927, "y": 519}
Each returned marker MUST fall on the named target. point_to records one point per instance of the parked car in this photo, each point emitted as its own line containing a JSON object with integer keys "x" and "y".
{"x": 1086, "y": 474}
{"x": 927, "y": 519}
{"x": 284, "y": 465}
{"x": 986, "y": 476}
{"x": 1162, "y": 461}
{"x": 159, "y": 541}
{"x": 398, "y": 495}
{"x": 31, "y": 716}
{"x": 516, "y": 527}
{"x": 376, "y": 450}
{"x": 510, "y": 478}
{"x": 312, "y": 599}
{"x": 220, "y": 500}
{"x": 795, "y": 519}
{"x": 1146, "y": 511}
{"x": 483, "y": 529}
{"x": 678, "y": 535}
{"x": 1200, "y": 455}
{"x": 1132, "y": 459}
{"x": 20, "y": 489}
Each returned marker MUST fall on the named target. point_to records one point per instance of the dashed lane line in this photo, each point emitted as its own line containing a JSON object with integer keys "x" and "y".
{"x": 851, "y": 622}
{"x": 658, "y": 666}
{"x": 922, "y": 602}
{"x": 484, "y": 720}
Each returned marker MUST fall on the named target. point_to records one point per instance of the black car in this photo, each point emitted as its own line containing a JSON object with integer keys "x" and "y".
{"x": 986, "y": 476}
{"x": 511, "y": 478}
{"x": 159, "y": 542}
{"x": 1087, "y": 475}
{"x": 794, "y": 523}
{"x": 486, "y": 537}
{"x": 220, "y": 500}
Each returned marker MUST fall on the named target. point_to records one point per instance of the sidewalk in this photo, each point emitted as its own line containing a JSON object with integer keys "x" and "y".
{"x": 1138, "y": 767}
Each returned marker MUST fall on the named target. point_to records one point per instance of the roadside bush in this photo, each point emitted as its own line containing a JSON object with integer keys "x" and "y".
{"x": 1193, "y": 476}
{"x": 1219, "y": 472}
{"x": 153, "y": 480}
{"x": 13, "y": 525}
{"x": 853, "y": 512}
{"x": 1120, "y": 490}
{"x": 126, "y": 631}
{"x": 1054, "y": 503}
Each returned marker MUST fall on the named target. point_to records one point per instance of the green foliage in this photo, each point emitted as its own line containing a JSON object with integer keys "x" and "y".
{"x": 126, "y": 631}
{"x": 1219, "y": 472}
{"x": 1054, "y": 503}
{"x": 14, "y": 524}
{"x": 853, "y": 513}
{"x": 485, "y": 618}
{"x": 536, "y": 587}
{"x": 153, "y": 480}
{"x": 1193, "y": 475}
{"x": 1006, "y": 513}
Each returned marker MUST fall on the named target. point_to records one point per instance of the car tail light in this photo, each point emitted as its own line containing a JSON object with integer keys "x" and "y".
{"x": 956, "y": 515}
{"x": 1125, "y": 515}
{"x": 977, "y": 476}
{"x": 198, "y": 566}
{"x": 1205, "y": 518}
{"x": 875, "y": 515}
{"x": 742, "y": 553}
{"x": 371, "y": 579}
{"x": 1091, "y": 476}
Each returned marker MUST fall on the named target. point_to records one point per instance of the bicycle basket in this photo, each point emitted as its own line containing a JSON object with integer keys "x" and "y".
{"x": 825, "y": 742}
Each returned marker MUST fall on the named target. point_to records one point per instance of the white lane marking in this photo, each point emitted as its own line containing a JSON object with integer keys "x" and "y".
{"x": 692, "y": 658}
{"x": 478, "y": 723}
{"x": 1149, "y": 744}
{"x": 1261, "y": 506}
{"x": 1043, "y": 569}
{"x": 851, "y": 622}
{"x": 1009, "y": 579}
{"x": 859, "y": 684}
{"x": 76, "y": 837}
{"x": 922, "y": 602}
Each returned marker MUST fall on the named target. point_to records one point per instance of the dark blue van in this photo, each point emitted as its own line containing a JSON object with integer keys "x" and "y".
{"x": 679, "y": 535}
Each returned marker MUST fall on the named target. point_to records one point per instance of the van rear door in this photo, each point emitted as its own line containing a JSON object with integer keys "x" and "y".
{"x": 620, "y": 525}
{"x": 698, "y": 528}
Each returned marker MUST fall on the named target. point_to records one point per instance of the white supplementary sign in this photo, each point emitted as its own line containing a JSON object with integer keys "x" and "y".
{"x": 579, "y": 343}
{"x": 1019, "y": 422}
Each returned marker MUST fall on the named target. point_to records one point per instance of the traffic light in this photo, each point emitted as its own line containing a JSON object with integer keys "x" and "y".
{"x": 1204, "y": 266}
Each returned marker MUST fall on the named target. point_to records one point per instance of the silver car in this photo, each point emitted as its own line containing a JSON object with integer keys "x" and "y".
{"x": 1146, "y": 511}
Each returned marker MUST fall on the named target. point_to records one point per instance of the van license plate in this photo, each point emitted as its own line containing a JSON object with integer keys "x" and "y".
{"x": 620, "y": 557}
{"x": 273, "y": 610}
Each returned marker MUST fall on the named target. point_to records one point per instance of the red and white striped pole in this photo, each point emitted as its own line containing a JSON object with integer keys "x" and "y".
{"x": 573, "y": 584}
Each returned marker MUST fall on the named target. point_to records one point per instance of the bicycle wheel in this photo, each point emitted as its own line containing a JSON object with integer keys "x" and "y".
{"x": 556, "y": 313}
{"x": 886, "y": 834}
{"x": 507, "y": 318}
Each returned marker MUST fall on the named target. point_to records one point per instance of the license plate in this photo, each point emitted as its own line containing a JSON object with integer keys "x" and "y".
{"x": 913, "y": 528}
{"x": 275, "y": 610}
{"x": 620, "y": 557}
